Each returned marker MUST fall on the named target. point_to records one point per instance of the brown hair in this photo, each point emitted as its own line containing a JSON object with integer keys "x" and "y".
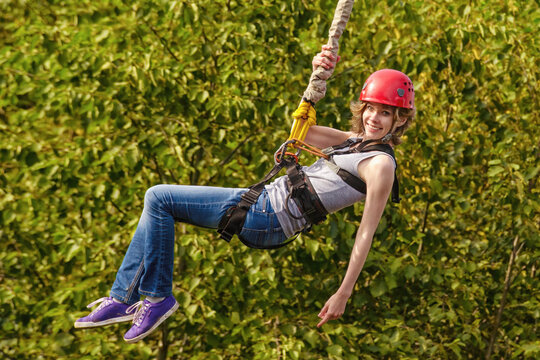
{"x": 357, "y": 125}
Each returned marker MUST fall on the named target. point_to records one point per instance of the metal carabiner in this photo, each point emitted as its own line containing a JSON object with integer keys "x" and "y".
{"x": 281, "y": 152}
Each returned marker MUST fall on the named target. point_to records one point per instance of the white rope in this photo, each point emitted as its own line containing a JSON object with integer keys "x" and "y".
{"x": 317, "y": 83}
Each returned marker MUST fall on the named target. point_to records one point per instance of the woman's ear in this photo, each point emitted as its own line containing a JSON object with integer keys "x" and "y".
{"x": 401, "y": 121}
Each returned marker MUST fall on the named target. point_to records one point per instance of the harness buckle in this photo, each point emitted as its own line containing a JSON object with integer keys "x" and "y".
{"x": 225, "y": 235}
{"x": 250, "y": 196}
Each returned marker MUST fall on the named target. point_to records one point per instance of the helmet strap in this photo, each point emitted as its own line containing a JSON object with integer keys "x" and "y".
{"x": 386, "y": 138}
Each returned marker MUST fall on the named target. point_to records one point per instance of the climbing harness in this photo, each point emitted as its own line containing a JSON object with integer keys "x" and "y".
{"x": 300, "y": 191}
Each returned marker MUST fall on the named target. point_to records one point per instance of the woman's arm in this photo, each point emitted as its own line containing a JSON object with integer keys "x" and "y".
{"x": 378, "y": 173}
{"x": 323, "y": 136}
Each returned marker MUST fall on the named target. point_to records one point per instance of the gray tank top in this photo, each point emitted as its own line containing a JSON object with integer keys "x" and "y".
{"x": 335, "y": 194}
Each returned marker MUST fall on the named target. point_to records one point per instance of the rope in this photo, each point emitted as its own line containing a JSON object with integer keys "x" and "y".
{"x": 300, "y": 145}
{"x": 305, "y": 115}
{"x": 317, "y": 83}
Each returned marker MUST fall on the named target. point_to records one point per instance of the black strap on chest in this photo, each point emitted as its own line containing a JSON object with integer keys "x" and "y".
{"x": 352, "y": 180}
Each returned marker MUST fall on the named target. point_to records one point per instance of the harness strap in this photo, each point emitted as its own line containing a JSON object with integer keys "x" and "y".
{"x": 232, "y": 222}
{"x": 354, "y": 181}
{"x": 304, "y": 195}
{"x": 347, "y": 144}
{"x": 300, "y": 188}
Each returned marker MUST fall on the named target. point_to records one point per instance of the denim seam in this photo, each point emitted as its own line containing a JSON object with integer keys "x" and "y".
{"x": 159, "y": 265}
{"x": 156, "y": 294}
{"x": 161, "y": 252}
{"x": 134, "y": 281}
{"x": 265, "y": 198}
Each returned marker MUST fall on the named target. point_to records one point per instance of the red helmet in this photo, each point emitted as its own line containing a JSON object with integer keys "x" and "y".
{"x": 390, "y": 87}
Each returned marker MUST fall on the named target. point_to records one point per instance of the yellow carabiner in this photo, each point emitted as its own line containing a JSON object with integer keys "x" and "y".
{"x": 304, "y": 117}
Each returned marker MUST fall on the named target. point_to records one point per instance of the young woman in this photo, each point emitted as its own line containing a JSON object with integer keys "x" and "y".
{"x": 384, "y": 112}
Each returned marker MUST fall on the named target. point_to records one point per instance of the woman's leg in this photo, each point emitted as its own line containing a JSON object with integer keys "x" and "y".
{"x": 147, "y": 268}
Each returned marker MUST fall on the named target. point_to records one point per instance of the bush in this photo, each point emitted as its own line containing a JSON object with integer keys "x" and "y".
{"x": 99, "y": 100}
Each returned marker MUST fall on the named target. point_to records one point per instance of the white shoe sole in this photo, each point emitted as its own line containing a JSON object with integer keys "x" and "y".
{"x": 84, "y": 325}
{"x": 162, "y": 319}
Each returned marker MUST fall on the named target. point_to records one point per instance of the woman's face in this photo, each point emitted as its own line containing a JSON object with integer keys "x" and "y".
{"x": 377, "y": 119}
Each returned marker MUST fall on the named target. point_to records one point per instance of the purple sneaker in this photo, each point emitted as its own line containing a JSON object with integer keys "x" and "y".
{"x": 148, "y": 317}
{"x": 108, "y": 312}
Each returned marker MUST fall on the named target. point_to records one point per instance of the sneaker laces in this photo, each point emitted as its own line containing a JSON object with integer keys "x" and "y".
{"x": 105, "y": 301}
{"x": 141, "y": 311}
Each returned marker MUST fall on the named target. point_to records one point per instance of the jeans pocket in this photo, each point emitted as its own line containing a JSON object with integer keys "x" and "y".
{"x": 262, "y": 230}
{"x": 260, "y": 207}
{"x": 257, "y": 221}
{"x": 262, "y": 239}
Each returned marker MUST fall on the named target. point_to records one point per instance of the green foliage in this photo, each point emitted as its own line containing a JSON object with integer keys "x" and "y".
{"x": 99, "y": 100}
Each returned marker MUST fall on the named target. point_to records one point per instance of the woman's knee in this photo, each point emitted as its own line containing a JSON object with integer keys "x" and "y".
{"x": 154, "y": 196}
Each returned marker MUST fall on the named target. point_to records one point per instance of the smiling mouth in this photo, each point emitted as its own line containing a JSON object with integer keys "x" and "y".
{"x": 372, "y": 127}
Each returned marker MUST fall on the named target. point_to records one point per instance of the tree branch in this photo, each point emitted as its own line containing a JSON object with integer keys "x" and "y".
{"x": 424, "y": 224}
{"x": 164, "y": 342}
{"x": 230, "y": 156}
{"x": 516, "y": 248}
{"x": 163, "y": 42}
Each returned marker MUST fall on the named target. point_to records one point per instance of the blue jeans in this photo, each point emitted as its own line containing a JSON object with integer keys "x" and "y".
{"x": 147, "y": 268}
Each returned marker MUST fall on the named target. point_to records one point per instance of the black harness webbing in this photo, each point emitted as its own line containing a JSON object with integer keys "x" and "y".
{"x": 352, "y": 180}
{"x": 304, "y": 195}
{"x": 233, "y": 220}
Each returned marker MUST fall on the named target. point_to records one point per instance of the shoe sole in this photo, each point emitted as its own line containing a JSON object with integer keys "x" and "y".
{"x": 85, "y": 325}
{"x": 148, "y": 332}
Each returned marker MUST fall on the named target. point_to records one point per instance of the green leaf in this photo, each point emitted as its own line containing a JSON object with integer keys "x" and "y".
{"x": 378, "y": 287}
{"x": 334, "y": 350}
{"x": 495, "y": 170}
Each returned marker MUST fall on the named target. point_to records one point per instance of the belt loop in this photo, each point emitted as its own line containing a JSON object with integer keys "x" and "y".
{"x": 264, "y": 200}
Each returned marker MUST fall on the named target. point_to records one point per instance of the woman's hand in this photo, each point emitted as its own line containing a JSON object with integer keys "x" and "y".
{"x": 325, "y": 58}
{"x": 333, "y": 309}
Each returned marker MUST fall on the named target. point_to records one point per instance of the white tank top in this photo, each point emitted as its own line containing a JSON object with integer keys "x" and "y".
{"x": 335, "y": 194}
